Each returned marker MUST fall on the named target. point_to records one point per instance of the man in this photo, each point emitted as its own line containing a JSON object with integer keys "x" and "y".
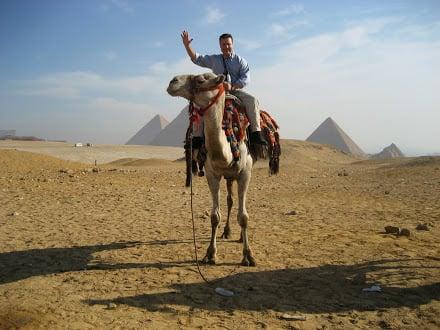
{"x": 236, "y": 70}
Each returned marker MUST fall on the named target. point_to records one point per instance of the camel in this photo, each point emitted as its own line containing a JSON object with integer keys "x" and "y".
{"x": 206, "y": 91}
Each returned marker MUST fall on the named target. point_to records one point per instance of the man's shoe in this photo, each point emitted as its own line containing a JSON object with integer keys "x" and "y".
{"x": 257, "y": 138}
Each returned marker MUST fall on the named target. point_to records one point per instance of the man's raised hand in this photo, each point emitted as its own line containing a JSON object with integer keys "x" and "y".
{"x": 185, "y": 38}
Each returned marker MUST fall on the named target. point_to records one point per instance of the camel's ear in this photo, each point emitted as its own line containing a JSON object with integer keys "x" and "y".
{"x": 220, "y": 79}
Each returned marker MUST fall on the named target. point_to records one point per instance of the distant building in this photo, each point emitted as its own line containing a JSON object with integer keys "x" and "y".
{"x": 7, "y": 132}
{"x": 330, "y": 133}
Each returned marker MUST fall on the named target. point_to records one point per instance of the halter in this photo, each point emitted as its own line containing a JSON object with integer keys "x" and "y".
{"x": 196, "y": 112}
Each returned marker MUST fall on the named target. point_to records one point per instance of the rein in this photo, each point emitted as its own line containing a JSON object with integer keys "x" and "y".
{"x": 192, "y": 219}
{"x": 201, "y": 111}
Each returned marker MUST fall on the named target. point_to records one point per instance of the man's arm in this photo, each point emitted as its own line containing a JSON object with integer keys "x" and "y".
{"x": 187, "y": 43}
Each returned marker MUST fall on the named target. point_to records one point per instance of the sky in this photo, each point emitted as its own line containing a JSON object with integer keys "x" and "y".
{"x": 97, "y": 70}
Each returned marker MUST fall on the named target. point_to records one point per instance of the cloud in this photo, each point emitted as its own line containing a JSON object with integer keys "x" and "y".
{"x": 109, "y": 104}
{"x": 249, "y": 44}
{"x": 51, "y": 91}
{"x": 213, "y": 15}
{"x": 285, "y": 30}
{"x": 319, "y": 48}
{"x": 367, "y": 82}
{"x": 79, "y": 83}
{"x": 158, "y": 44}
{"x": 123, "y": 5}
{"x": 285, "y": 25}
{"x": 110, "y": 55}
{"x": 169, "y": 69}
{"x": 293, "y": 9}
{"x": 277, "y": 29}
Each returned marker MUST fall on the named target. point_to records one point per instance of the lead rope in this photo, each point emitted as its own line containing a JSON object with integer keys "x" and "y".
{"x": 192, "y": 209}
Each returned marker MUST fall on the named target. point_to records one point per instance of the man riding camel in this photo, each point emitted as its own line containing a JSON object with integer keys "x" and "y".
{"x": 236, "y": 70}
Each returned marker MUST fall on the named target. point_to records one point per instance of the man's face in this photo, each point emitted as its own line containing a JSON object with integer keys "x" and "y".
{"x": 226, "y": 47}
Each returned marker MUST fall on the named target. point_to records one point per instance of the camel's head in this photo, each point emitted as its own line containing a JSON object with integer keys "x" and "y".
{"x": 188, "y": 86}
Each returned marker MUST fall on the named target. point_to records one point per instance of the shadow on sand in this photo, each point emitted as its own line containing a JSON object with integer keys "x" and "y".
{"x": 322, "y": 289}
{"x": 19, "y": 265}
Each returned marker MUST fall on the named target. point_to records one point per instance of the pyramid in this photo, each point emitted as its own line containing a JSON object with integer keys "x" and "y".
{"x": 174, "y": 134}
{"x": 147, "y": 133}
{"x": 330, "y": 133}
{"x": 392, "y": 151}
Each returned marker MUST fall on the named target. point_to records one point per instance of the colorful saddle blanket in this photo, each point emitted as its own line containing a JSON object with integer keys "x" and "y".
{"x": 235, "y": 124}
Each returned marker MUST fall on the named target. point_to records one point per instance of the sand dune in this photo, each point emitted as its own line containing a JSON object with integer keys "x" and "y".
{"x": 141, "y": 162}
{"x": 100, "y": 153}
{"x": 112, "y": 247}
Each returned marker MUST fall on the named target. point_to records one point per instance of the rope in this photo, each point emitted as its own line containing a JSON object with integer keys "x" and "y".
{"x": 192, "y": 213}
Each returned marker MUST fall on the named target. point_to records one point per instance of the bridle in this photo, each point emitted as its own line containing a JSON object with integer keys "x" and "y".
{"x": 194, "y": 90}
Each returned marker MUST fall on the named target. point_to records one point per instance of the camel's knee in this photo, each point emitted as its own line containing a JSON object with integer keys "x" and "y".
{"x": 215, "y": 218}
{"x": 243, "y": 219}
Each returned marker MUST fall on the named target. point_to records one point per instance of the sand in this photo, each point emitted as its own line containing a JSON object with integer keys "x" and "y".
{"x": 99, "y": 153}
{"x": 111, "y": 247}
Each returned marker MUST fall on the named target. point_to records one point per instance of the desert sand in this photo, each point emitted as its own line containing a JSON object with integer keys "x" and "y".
{"x": 110, "y": 247}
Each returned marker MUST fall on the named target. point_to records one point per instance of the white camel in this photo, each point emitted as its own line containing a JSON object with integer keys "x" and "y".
{"x": 206, "y": 91}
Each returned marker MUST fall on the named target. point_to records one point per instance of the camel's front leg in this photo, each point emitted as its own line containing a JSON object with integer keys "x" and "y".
{"x": 243, "y": 217}
{"x": 227, "y": 230}
{"x": 214, "y": 187}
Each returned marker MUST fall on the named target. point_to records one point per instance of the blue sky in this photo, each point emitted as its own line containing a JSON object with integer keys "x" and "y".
{"x": 97, "y": 70}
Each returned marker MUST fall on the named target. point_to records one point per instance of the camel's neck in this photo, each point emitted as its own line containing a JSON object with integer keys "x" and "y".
{"x": 216, "y": 144}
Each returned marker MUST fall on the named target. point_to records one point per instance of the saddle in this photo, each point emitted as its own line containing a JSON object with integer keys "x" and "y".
{"x": 236, "y": 127}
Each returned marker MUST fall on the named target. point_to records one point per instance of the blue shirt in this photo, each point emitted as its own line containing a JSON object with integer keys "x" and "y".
{"x": 236, "y": 65}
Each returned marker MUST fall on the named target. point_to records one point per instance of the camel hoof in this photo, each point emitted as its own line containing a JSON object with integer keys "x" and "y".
{"x": 209, "y": 261}
{"x": 248, "y": 259}
{"x": 226, "y": 235}
{"x": 248, "y": 262}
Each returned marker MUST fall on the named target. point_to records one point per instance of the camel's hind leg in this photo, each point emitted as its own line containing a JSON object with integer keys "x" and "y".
{"x": 227, "y": 230}
{"x": 243, "y": 217}
{"x": 214, "y": 187}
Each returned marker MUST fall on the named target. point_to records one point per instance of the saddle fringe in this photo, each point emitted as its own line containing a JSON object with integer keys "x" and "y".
{"x": 269, "y": 128}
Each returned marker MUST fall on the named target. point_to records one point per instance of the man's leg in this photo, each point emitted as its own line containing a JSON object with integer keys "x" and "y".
{"x": 197, "y": 139}
{"x": 252, "y": 107}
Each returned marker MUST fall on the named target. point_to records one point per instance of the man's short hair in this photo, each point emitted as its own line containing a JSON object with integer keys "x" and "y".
{"x": 225, "y": 36}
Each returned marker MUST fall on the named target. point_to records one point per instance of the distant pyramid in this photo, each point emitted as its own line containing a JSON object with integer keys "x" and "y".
{"x": 330, "y": 133}
{"x": 174, "y": 134}
{"x": 392, "y": 151}
{"x": 147, "y": 133}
